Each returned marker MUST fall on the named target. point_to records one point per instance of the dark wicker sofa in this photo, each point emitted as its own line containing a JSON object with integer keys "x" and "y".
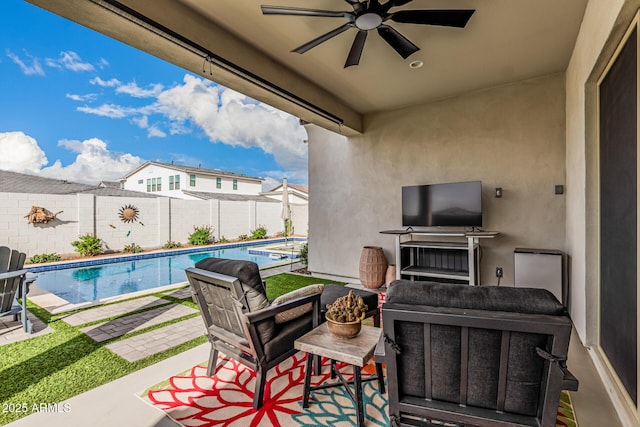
{"x": 475, "y": 356}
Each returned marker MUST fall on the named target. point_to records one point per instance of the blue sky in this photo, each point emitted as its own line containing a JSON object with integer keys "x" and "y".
{"x": 80, "y": 106}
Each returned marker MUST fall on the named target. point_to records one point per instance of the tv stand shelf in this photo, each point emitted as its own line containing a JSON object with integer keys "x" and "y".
{"x": 452, "y": 261}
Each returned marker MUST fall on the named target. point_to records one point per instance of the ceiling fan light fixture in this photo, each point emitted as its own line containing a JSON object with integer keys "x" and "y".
{"x": 368, "y": 21}
{"x": 416, "y": 64}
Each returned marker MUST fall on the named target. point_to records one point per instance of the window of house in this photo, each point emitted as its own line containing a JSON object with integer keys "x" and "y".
{"x": 235, "y": 184}
{"x": 148, "y": 185}
{"x": 154, "y": 184}
{"x": 171, "y": 182}
{"x": 159, "y": 185}
{"x": 218, "y": 183}
{"x": 177, "y": 185}
{"x": 141, "y": 181}
{"x": 192, "y": 180}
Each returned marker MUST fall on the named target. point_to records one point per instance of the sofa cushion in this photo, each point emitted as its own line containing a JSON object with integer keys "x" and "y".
{"x": 493, "y": 298}
{"x": 298, "y": 311}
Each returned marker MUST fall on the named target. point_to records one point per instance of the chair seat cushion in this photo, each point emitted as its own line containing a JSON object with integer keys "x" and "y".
{"x": 295, "y": 312}
{"x": 333, "y": 292}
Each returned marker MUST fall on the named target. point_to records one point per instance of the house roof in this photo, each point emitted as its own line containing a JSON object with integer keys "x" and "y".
{"x": 230, "y": 197}
{"x": 301, "y": 191}
{"x": 13, "y": 182}
{"x": 194, "y": 170}
{"x": 298, "y": 187}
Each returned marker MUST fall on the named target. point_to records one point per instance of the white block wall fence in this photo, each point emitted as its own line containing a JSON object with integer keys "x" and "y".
{"x": 160, "y": 220}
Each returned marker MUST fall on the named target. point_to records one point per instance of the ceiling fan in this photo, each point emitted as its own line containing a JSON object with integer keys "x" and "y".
{"x": 369, "y": 15}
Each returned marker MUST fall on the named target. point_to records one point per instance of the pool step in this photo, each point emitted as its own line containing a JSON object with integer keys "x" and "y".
{"x": 158, "y": 340}
{"x": 136, "y": 322}
{"x": 106, "y": 311}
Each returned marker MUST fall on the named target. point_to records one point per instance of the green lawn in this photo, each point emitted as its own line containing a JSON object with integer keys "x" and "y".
{"x": 54, "y": 367}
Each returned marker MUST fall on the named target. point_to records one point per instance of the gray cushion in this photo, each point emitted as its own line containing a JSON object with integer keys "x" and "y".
{"x": 494, "y": 298}
{"x": 298, "y": 311}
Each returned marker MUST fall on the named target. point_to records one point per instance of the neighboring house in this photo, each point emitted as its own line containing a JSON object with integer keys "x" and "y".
{"x": 171, "y": 180}
{"x": 13, "y": 182}
{"x": 298, "y": 194}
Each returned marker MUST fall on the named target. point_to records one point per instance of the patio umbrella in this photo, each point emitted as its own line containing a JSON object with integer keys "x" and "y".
{"x": 286, "y": 211}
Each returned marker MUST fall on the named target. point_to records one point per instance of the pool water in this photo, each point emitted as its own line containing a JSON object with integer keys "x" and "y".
{"x": 91, "y": 283}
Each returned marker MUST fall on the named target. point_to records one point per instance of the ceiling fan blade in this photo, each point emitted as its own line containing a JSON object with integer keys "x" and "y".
{"x": 298, "y": 11}
{"x": 323, "y": 38}
{"x": 400, "y": 43}
{"x": 447, "y": 18}
{"x": 356, "y": 49}
{"x": 394, "y": 3}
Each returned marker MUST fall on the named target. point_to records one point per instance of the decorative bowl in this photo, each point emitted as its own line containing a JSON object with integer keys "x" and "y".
{"x": 344, "y": 330}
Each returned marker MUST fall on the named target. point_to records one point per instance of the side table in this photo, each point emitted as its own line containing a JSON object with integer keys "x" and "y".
{"x": 356, "y": 351}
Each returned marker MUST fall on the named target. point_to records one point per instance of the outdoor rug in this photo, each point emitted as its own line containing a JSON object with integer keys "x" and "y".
{"x": 193, "y": 399}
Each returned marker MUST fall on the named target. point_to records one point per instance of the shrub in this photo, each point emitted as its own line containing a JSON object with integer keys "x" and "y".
{"x": 201, "y": 235}
{"x": 40, "y": 258}
{"x": 132, "y": 249}
{"x": 243, "y": 237}
{"x": 259, "y": 233}
{"x": 88, "y": 245}
{"x": 223, "y": 239}
{"x": 171, "y": 245}
{"x": 304, "y": 253}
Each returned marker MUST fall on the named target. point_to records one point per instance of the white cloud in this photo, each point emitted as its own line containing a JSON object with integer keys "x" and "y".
{"x": 109, "y": 110}
{"x": 231, "y": 118}
{"x": 104, "y": 83}
{"x": 154, "y": 131}
{"x": 224, "y": 115}
{"x": 90, "y": 97}
{"x": 20, "y": 153}
{"x": 142, "y": 122}
{"x": 103, "y": 63}
{"x": 94, "y": 163}
{"x": 134, "y": 90}
{"x": 71, "y": 61}
{"x": 34, "y": 69}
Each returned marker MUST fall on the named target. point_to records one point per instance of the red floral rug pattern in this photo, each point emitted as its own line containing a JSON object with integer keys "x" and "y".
{"x": 225, "y": 399}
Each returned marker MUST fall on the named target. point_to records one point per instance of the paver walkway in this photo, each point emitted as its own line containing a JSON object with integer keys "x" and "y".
{"x": 161, "y": 339}
{"x": 136, "y": 322}
{"x": 111, "y": 310}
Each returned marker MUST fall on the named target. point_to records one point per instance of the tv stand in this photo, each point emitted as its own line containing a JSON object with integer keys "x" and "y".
{"x": 454, "y": 260}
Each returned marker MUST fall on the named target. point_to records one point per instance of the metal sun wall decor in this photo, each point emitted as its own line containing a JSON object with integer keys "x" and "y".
{"x": 128, "y": 213}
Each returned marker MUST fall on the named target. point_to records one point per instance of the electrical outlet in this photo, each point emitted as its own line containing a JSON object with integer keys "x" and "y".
{"x": 499, "y": 271}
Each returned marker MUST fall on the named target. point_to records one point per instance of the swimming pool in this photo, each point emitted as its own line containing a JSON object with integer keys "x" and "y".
{"x": 94, "y": 282}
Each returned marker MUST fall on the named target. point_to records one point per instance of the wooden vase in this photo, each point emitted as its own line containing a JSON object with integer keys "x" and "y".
{"x": 373, "y": 267}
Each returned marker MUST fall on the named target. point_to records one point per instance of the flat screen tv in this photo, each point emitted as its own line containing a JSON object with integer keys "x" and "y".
{"x": 456, "y": 204}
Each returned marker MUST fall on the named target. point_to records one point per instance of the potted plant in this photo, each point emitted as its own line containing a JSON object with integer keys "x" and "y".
{"x": 345, "y": 315}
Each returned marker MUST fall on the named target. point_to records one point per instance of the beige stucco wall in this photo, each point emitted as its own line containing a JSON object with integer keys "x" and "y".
{"x": 510, "y": 136}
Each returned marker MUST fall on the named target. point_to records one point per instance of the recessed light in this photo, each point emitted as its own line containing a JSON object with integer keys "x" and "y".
{"x": 416, "y": 64}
